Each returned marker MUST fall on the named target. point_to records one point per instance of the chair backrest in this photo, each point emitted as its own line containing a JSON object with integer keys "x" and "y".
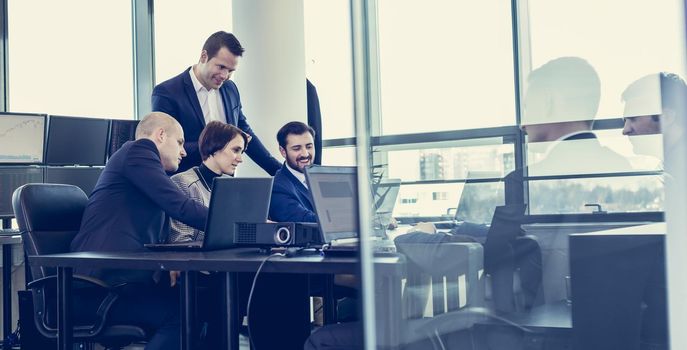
{"x": 49, "y": 216}
{"x": 439, "y": 273}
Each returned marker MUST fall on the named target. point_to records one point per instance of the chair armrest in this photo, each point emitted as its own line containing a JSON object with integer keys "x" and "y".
{"x": 464, "y": 319}
{"x": 80, "y": 279}
{"x": 80, "y": 282}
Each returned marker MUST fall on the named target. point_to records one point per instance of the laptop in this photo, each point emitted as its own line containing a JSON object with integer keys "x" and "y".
{"x": 385, "y": 194}
{"x": 232, "y": 200}
{"x": 505, "y": 224}
{"x": 334, "y": 192}
{"x": 476, "y": 203}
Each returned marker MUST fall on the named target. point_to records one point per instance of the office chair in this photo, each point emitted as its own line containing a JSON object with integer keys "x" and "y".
{"x": 49, "y": 216}
{"x": 434, "y": 274}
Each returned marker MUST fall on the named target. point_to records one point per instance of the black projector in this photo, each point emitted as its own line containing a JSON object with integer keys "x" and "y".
{"x": 277, "y": 234}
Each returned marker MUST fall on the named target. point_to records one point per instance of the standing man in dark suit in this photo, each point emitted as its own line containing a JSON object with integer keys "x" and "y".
{"x": 203, "y": 93}
{"x": 129, "y": 207}
{"x": 314, "y": 118}
{"x": 290, "y": 195}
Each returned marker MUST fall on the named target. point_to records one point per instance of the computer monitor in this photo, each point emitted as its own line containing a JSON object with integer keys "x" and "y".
{"x": 121, "y": 131}
{"x": 76, "y": 141}
{"x": 21, "y": 138}
{"x": 334, "y": 190}
{"x": 11, "y": 178}
{"x": 84, "y": 178}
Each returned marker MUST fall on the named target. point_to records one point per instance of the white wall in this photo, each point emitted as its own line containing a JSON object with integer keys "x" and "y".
{"x": 271, "y": 74}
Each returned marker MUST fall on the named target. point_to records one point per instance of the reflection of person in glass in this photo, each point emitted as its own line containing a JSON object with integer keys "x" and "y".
{"x": 652, "y": 105}
{"x": 560, "y": 103}
{"x": 559, "y": 107}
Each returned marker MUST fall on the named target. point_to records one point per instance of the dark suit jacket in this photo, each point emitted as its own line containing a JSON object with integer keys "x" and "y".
{"x": 290, "y": 199}
{"x": 314, "y": 118}
{"x": 177, "y": 98}
{"x": 130, "y": 205}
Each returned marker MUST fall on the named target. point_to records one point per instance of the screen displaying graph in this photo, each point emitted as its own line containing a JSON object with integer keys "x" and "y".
{"x": 21, "y": 138}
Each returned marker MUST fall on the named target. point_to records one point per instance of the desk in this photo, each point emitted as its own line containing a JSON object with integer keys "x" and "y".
{"x": 553, "y": 240}
{"x": 612, "y": 273}
{"x": 229, "y": 261}
{"x": 7, "y": 241}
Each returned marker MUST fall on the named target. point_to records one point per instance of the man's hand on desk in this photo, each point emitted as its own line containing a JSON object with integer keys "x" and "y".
{"x": 173, "y": 276}
{"x": 393, "y": 224}
{"x": 426, "y": 227}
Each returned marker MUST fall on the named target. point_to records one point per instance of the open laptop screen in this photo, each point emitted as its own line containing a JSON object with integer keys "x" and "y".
{"x": 334, "y": 192}
{"x": 385, "y": 194}
{"x": 478, "y": 200}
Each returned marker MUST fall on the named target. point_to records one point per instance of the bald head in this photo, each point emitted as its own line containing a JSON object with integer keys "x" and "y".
{"x": 154, "y": 121}
{"x": 167, "y": 135}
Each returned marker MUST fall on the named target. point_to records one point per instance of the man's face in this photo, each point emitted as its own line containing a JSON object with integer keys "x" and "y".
{"x": 638, "y": 129}
{"x": 212, "y": 72}
{"x": 299, "y": 151}
{"x": 171, "y": 148}
{"x": 644, "y": 125}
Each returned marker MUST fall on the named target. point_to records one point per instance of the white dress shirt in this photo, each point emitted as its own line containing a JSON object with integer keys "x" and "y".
{"x": 299, "y": 175}
{"x": 210, "y": 101}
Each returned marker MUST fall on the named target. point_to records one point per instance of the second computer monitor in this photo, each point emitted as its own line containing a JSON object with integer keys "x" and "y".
{"x": 76, "y": 141}
{"x": 121, "y": 131}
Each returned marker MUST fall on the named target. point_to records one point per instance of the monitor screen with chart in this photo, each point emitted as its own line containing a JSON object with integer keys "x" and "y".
{"x": 21, "y": 138}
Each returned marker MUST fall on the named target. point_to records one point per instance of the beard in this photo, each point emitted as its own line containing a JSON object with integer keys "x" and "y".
{"x": 293, "y": 163}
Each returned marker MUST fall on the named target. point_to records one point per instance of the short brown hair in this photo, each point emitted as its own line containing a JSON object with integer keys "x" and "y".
{"x": 221, "y": 39}
{"x": 216, "y": 135}
{"x": 293, "y": 128}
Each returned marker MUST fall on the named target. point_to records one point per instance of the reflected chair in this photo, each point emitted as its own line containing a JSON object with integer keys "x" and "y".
{"x": 49, "y": 216}
{"x": 442, "y": 279}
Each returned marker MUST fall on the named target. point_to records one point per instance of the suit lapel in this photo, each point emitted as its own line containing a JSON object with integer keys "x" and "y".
{"x": 193, "y": 98}
{"x": 229, "y": 101}
{"x": 306, "y": 193}
{"x": 299, "y": 186}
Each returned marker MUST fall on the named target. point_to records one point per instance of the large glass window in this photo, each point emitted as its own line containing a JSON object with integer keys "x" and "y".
{"x": 181, "y": 29}
{"x": 587, "y": 172}
{"x": 622, "y": 41}
{"x": 447, "y": 180}
{"x": 71, "y": 57}
{"x": 339, "y": 156}
{"x": 328, "y": 63}
{"x": 573, "y": 74}
{"x": 445, "y": 65}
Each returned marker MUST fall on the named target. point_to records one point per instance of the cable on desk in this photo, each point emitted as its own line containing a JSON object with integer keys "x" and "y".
{"x": 250, "y": 295}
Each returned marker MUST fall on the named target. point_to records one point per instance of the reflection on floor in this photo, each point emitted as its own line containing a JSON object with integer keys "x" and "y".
{"x": 243, "y": 345}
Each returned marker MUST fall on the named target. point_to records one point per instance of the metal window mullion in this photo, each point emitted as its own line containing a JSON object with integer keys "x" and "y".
{"x": 143, "y": 55}
{"x": 4, "y": 55}
{"x": 522, "y": 63}
{"x": 360, "y": 35}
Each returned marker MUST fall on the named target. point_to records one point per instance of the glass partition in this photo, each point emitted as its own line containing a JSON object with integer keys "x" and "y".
{"x": 550, "y": 235}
